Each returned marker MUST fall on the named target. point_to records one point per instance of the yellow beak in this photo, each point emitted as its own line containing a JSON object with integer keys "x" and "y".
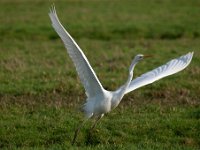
{"x": 147, "y": 56}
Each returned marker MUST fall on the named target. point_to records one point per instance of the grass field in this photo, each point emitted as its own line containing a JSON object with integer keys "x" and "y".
{"x": 40, "y": 92}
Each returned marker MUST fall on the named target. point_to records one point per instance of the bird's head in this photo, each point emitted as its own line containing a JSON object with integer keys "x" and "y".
{"x": 140, "y": 57}
{"x": 137, "y": 58}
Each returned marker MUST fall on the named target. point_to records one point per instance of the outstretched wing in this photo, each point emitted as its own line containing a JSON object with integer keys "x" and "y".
{"x": 85, "y": 71}
{"x": 167, "y": 69}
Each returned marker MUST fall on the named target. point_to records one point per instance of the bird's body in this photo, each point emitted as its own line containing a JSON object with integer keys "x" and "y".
{"x": 104, "y": 102}
{"x": 100, "y": 101}
{"x": 98, "y": 105}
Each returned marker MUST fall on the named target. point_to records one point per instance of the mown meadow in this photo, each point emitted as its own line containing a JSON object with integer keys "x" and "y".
{"x": 40, "y": 92}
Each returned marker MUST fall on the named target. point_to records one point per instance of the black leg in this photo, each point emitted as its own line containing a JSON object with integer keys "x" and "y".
{"x": 95, "y": 123}
{"x": 77, "y": 131}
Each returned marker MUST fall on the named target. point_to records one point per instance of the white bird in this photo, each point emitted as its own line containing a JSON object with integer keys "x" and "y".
{"x": 100, "y": 101}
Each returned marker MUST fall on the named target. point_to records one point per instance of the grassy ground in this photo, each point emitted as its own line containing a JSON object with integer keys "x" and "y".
{"x": 40, "y": 92}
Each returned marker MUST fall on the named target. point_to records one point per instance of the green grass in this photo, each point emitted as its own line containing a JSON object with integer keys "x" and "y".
{"x": 145, "y": 127}
{"x": 40, "y": 92}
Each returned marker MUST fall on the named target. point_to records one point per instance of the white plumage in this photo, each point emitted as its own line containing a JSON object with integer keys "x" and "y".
{"x": 171, "y": 67}
{"x": 100, "y": 101}
{"x": 85, "y": 71}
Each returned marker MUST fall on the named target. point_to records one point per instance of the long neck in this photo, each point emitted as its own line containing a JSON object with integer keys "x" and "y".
{"x": 130, "y": 76}
{"x": 119, "y": 93}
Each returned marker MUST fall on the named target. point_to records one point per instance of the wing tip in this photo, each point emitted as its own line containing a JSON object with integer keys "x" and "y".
{"x": 190, "y": 55}
{"x": 52, "y": 10}
{"x": 188, "y": 58}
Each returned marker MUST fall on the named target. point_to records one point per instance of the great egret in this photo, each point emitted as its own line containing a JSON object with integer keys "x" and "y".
{"x": 100, "y": 101}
